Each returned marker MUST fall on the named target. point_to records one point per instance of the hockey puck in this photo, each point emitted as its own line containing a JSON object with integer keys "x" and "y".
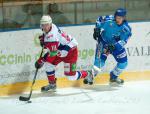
{"x": 29, "y": 101}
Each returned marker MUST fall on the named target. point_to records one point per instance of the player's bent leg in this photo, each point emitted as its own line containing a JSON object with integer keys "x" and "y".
{"x": 50, "y": 71}
{"x": 116, "y": 72}
{"x": 72, "y": 74}
{"x": 122, "y": 62}
{"x": 87, "y": 75}
{"x": 72, "y": 77}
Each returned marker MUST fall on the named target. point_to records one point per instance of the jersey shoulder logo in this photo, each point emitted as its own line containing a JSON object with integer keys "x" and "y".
{"x": 64, "y": 35}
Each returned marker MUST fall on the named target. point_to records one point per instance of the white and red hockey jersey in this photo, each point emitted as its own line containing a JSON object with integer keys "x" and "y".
{"x": 58, "y": 41}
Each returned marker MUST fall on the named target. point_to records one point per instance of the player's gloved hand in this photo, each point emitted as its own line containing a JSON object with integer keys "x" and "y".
{"x": 62, "y": 53}
{"x": 111, "y": 48}
{"x": 41, "y": 38}
{"x": 39, "y": 63}
{"x": 96, "y": 33}
{"x": 108, "y": 49}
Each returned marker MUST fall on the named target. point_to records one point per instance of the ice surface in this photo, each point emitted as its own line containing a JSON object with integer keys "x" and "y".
{"x": 131, "y": 98}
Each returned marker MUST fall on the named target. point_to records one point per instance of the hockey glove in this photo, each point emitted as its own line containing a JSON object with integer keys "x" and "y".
{"x": 111, "y": 48}
{"x": 108, "y": 49}
{"x": 96, "y": 33}
{"x": 39, "y": 63}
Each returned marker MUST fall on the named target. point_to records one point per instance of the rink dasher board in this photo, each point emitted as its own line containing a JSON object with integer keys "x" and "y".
{"x": 17, "y": 57}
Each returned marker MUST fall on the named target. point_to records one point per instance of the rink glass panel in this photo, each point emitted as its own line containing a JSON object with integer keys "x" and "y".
{"x": 17, "y": 14}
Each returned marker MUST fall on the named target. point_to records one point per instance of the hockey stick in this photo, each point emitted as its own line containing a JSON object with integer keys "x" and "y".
{"x": 22, "y": 98}
{"x": 98, "y": 55}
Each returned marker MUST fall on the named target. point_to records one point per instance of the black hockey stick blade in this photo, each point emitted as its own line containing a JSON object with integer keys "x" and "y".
{"x": 21, "y": 98}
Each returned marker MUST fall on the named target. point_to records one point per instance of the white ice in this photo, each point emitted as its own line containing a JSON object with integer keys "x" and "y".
{"x": 131, "y": 98}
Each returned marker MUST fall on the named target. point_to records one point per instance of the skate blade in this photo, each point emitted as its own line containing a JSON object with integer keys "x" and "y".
{"x": 114, "y": 84}
{"x": 51, "y": 90}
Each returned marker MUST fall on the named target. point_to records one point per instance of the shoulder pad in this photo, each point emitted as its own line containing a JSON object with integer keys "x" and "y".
{"x": 127, "y": 28}
{"x": 102, "y": 19}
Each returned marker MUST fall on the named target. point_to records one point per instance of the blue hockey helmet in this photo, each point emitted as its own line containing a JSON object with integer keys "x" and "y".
{"x": 120, "y": 12}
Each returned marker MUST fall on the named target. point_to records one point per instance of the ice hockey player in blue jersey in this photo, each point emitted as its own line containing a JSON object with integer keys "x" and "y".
{"x": 112, "y": 34}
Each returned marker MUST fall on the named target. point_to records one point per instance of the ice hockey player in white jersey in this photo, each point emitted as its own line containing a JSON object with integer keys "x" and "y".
{"x": 61, "y": 48}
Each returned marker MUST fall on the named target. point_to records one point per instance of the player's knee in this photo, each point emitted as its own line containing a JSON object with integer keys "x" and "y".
{"x": 49, "y": 67}
{"x": 122, "y": 65}
{"x": 103, "y": 57}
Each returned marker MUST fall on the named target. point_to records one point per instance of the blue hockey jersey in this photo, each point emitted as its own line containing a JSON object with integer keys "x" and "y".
{"x": 112, "y": 33}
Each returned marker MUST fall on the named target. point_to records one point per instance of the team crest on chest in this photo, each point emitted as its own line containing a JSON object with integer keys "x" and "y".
{"x": 49, "y": 36}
